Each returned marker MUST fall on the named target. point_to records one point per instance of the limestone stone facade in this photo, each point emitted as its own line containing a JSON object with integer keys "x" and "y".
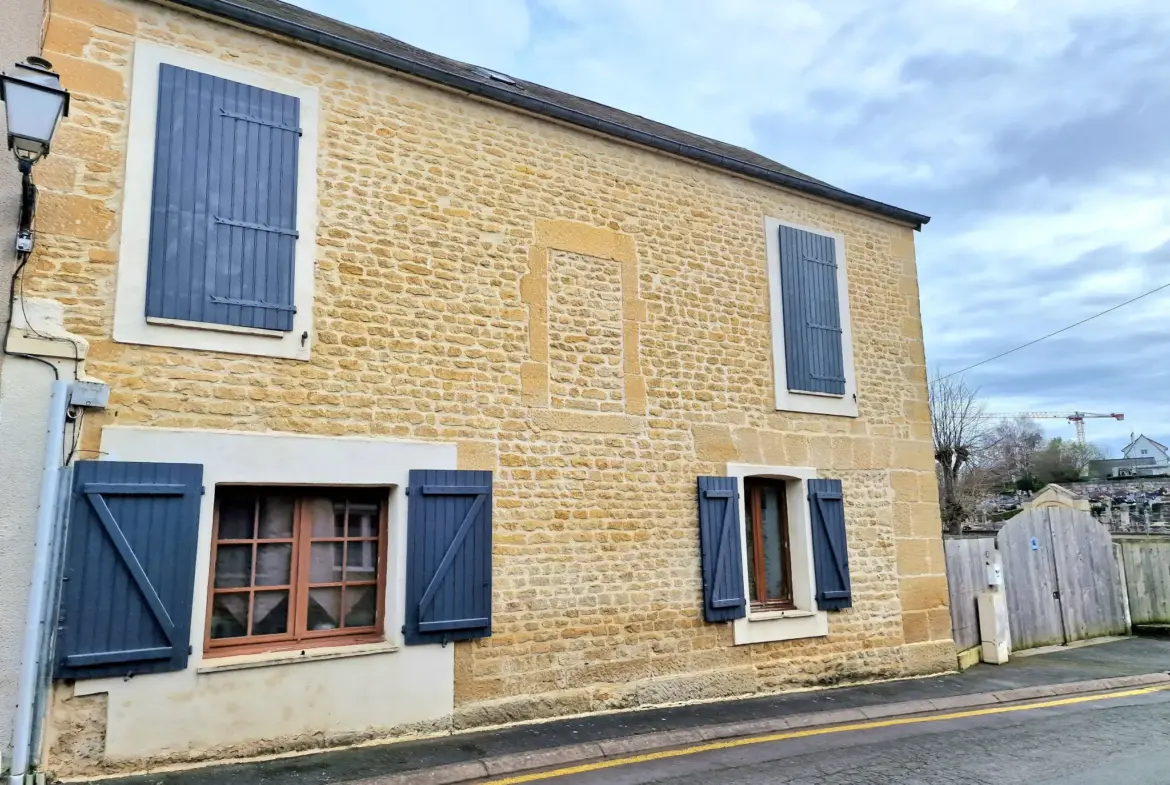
{"x": 585, "y": 318}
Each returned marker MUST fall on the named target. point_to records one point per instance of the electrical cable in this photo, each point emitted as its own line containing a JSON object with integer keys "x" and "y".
{"x": 28, "y": 218}
{"x": 1057, "y": 332}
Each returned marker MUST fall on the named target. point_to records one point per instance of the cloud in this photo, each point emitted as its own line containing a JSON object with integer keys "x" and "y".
{"x": 1032, "y": 132}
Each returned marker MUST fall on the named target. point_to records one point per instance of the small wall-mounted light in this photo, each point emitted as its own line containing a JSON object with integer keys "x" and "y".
{"x": 34, "y": 103}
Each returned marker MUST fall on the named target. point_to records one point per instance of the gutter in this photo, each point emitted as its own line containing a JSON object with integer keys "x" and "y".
{"x": 39, "y": 618}
{"x": 271, "y": 23}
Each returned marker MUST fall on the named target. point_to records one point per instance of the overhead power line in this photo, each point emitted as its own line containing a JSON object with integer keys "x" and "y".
{"x": 1057, "y": 332}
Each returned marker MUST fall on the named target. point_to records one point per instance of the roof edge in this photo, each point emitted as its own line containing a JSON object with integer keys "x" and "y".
{"x": 326, "y": 40}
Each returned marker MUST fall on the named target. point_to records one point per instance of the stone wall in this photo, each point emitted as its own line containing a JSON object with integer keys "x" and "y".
{"x": 478, "y": 273}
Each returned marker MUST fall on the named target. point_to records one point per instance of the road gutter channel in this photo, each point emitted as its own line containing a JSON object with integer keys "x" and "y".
{"x": 647, "y": 742}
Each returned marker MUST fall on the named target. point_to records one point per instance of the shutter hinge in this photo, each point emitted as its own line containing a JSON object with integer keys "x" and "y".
{"x": 403, "y": 629}
{"x": 190, "y": 650}
{"x": 408, "y": 490}
{"x": 202, "y": 490}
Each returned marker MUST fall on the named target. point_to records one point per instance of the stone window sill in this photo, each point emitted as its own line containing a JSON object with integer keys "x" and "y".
{"x": 215, "y": 327}
{"x": 772, "y": 615}
{"x": 273, "y": 658}
{"x": 780, "y": 626}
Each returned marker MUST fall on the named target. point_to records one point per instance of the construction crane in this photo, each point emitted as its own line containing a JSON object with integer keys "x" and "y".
{"x": 1076, "y": 418}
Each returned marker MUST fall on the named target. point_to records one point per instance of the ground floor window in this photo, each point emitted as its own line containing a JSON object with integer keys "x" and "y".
{"x": 293, "y": 567}
{"x": 768, "y": 552}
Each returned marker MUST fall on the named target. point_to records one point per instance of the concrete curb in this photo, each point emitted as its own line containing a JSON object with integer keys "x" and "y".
{"x": 504, "y": 765}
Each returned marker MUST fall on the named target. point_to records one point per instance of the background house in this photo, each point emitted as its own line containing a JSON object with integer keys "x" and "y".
{"x": 460, "y": 401}
{"x": 1142, "y": 448}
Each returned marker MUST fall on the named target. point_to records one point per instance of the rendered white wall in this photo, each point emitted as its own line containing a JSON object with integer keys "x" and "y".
{"x": 206, "y": 706}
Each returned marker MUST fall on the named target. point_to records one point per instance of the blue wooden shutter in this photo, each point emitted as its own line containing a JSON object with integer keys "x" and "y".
{"x": 720, "y": 549}
{"x": 129, "y": 569}
{"x": 224, "y": 208}
{"x": 448, "y": 556}
{"x": 812, "y": 312}
{"x": 830, "y": 549}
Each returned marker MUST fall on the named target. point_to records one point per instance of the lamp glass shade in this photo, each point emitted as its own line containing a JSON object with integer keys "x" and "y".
{"x": 34, "y": 103}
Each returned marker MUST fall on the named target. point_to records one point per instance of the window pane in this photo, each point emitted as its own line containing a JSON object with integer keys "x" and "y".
{"x": 752, "y": 524}
{"x": 274, "y": 564}
{"x": 229, "y": 615}
{"x": 361, "y": 563}
{"x": 774, "y": 568}
{"x": 237, "y": 513}
{"x": 326, "y": 521}
{"x": 363, "y": 520}
{"x": 324, "y": 609}
{"x": 361, "y": 606}
{"x": 325, "y": 562}
{"x": 233, "y": 566}
{"x": 270, "y": 613}
{"x": 276, "y": 518}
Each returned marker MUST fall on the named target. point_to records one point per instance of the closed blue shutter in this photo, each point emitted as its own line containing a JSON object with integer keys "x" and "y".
{"x": 812, "y": 312}
{"x": 720, "y": 549}
{"x": 223, "y": 209}
{"x": 830, "y": 549}
{"x": 129, "y": 569}
{"x": 448, "y": 556}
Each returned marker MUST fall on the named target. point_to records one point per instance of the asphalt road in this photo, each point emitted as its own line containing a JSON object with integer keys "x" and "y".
{"x": 1113, "y": 741}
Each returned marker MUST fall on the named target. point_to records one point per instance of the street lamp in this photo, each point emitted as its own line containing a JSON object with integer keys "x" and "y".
{"x": 34, "y": 102}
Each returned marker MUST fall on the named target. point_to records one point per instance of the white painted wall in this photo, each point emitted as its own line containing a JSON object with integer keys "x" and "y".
{"x": 20, "y": 36}
{"x": 282, "y": 696}
{"x": 24, "y": 413}
{"x": 23, "y": 398}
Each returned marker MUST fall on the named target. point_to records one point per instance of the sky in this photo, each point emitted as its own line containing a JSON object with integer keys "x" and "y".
{"x": 1035, "y": 133}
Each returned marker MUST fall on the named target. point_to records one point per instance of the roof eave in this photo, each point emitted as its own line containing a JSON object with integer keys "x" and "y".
{"x": 327, "y": 40}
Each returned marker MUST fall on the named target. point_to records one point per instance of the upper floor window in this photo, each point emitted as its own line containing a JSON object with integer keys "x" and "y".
{"x": 811, "y": 333}
{"x": 223, "y": 214}
{"x": 219, "y": 216}
{"x": 295, "y": 567}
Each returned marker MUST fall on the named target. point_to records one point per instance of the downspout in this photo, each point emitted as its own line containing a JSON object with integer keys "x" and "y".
{"x": 36, "y": 625}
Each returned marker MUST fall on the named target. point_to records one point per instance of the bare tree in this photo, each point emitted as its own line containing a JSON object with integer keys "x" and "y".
{"x": 1010, "y": 451}
{"x": 960, "y": 437}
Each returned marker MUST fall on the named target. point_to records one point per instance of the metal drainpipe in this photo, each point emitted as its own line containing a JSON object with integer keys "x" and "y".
{"x": 35, "y": 621}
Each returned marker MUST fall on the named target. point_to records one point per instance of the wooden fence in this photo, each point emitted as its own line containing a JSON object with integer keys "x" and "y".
{"x": 1147, "y": 577}
{"x": 1061, "y": 579}
{"x": 967, "y": 577}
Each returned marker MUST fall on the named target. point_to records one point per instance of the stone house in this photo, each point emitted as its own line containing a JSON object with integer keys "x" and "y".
{"x": 440, "y": 399}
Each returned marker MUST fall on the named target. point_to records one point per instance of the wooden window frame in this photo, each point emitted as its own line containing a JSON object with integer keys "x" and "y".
{"x": 760, "y": 601}
{"x": 298, "y": 637}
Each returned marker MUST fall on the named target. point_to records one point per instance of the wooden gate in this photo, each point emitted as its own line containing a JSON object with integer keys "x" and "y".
{"x": 1060, "y": 578}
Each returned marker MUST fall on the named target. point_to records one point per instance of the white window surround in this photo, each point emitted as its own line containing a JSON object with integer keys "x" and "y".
{"x": 805, "y": 621}
{"x": 349, "y": 689}
{"x": 809, "y": 403}
{"x": 130, "y": 323}
{"x": 241, "y": 458}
